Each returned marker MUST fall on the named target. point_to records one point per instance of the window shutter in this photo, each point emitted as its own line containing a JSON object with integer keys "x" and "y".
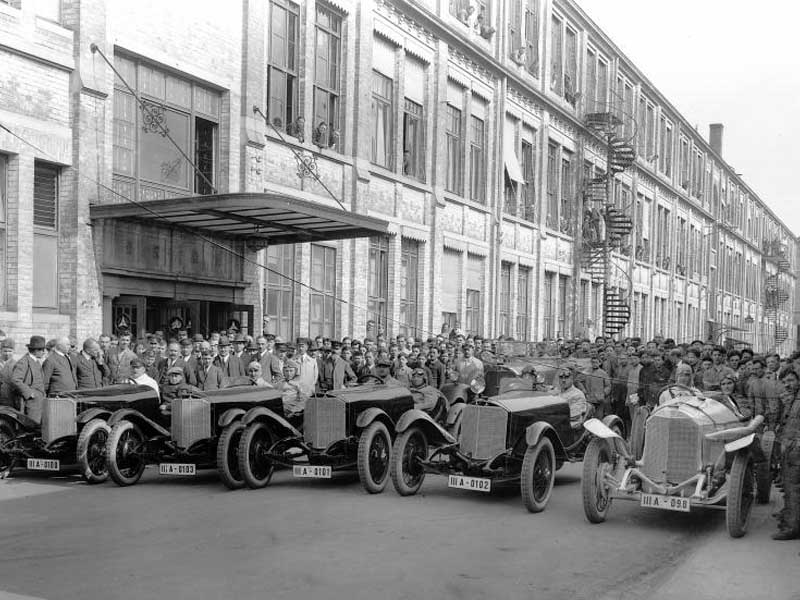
{"x": 45, "y": 196}
{"x": 451, "y": 281}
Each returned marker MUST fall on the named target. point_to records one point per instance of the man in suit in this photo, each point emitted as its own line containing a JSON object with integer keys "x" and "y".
{"x": 270, "y": 365}
{"x": 230, "y": 365}
{"x": 173, "y": 359}
{"x": 58, "y": 369}
{"x": 7, "y": 362}
{"x": 208, "y": 376}
{"x": 28, "y": 379}
{"x": 91, "y": 371}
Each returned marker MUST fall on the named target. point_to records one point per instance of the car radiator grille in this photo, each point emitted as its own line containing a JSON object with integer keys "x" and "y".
{"x": 58, "y": 419}
{"x": 191, "y": 421}
{"x": 483, "y": 431}
{"x": 324, "y": 421}
{"x": 672, "y": 448}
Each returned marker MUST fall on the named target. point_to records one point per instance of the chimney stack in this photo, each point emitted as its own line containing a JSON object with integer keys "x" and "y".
{"x": 715, "y": 137}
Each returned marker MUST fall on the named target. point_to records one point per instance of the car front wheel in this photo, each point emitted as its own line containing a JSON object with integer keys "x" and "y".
{"x": 596, "y": 465}
{"x": 91, "y": 451}
{"x": 741, "y": 494}
{"x": 374, "y": 456}
{"x": 410, "y": 448}
{"x": 125, "y": 463}
{"x": 538, "y": 475}
{"x": 255, "y": 467}
{"x": 228, "y": 456}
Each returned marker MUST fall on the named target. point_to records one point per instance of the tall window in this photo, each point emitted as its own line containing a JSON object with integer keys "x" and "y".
{"x": 532, "y": 12}
{"x": 682, "y": 247}
{"x": 557, "y": 55}
{"x": 663, "y": 230}
{"x": 327, "y": 127}
{"x": 564, "y": 326}
{"x": 45, "y": 235}
{"x": 583, "y": 308}
{"x": 378, "y": 281}
{"x": 279, "y": 293}
{"x": 322, "y": 318}
{"x": 651, "y": 132}
{"x": 451, "y": 287}
{"x": 552, "y": 186}
{"x": 504, "y": 316}
{"x": 684, "y": 164}
{"x": 549, "y": 280}
{"x": 523, "y": 302}
{"x": 3, "y": 217}
{"x": 698, "y": 173}
{"x": 382, "y": 112}
{"x": 283, "y": 63}
{"x": 565, "y": 209}
{"x": 477, "y": 159}
{"x": 596, "y": 91}
{"x": 564, "y": 60}
{"x": 409, "y": 277}
{"x": 413, "y": 141}
{"x": 146, "y": 163}
{"x": 474, "y": 308}
{"x": 455, "y": 157}
{"x": 665, "y": 149}
{"x": 529, "y": 173}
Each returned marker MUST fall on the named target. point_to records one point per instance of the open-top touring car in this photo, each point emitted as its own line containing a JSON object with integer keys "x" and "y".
{"x": 698, "y": 452}
{"x": 73, "y": 431}
{"x": 198, "y": 431}
{"x": 521, "y": 435}
{"x": 345, "y": 429}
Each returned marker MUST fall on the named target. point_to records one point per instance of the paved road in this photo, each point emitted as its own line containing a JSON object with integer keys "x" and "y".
{"x": 307, "y": 540}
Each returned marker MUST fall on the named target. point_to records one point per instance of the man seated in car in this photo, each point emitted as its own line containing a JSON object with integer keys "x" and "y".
{"x": 425, "y": 396}
{"x": 254, "y": 373}
{"x": 576, "y": 398}
{"x": 683, "y": 377}
{"x": 383, "y": 371}
{"x": 175, "y": 387}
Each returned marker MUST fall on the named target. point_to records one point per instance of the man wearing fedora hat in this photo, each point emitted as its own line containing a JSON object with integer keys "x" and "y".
{"x": 28, "y": 379}
{"x": 230, "y": 366}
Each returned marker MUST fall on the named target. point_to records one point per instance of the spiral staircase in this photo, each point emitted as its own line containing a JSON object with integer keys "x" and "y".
{"x": 775, "y": 295}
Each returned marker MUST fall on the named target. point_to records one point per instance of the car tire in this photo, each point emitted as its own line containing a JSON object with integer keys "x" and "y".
{"x": 255, "y": 469}
{"x": 228, "y": 456}
{"x": 91, "y": 451}
{"x": 596, "y": 461}
{"x": 538, "y": 475}
{"x": 407, "y": 474}
{"x": 124, "y": 466}
{"x": 741, "y": 494}
{"x": 6, "y": 434}
{"x": 374, "y": 457}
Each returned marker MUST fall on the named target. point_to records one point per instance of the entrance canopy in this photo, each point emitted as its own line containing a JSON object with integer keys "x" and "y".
{"x": 269, "y": 217}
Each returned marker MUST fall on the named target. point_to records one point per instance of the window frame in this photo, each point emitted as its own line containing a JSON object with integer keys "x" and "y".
{"x": 477, "y": 159}
{"x": 292, "y": 104}
{"x": 378, "y": 282}
{"x": 417, "y": 156}
{"x": 409, "y": 306}
{"x": 382, "y": 115}
{"x": 331, "y": 86}
{"x": 454, "y": 134}
{"x": 324, "y": 291}
{"x": 49, "y": 232}
{"x": 280, "y": 259}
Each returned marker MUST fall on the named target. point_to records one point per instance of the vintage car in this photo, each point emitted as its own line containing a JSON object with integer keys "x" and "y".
{"x": 346, "y": 429}
{"x": 698, "y": 452}
{"x": 520, "y": 436}
{"x": 74, "y": 430}
{"x": 199, "y": 431}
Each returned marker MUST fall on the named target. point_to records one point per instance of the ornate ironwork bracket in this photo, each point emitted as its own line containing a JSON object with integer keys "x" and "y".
{"x": 307, "y": 165}
{"x": 154, "y": 118}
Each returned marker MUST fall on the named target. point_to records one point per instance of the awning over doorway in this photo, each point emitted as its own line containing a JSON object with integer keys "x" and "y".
{"x": 268, "y": 217}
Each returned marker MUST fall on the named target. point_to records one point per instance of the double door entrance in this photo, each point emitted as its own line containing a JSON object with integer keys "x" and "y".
{"x": 140, "y": 314}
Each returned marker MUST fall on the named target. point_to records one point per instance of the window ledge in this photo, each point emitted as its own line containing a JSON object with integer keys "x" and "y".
{"x": 293, "y": 142}
{"x": 452, "y": 197}
{"x": 407, "y": 181}
{"x": 521, "y": 220}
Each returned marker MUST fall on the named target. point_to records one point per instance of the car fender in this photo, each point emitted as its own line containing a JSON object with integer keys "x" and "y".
{"x": 434, "y": 432}
{"x": 12, "y": 414}
{"x": 599, "y": 429}
{"x": 134, "y": 416}
{"x": 93, "y": 413}
{"x": 454, "y": 414}
{"x": 262, "y": 413}
{"x": 455, "y": 392}
{"x": 536, "y": 431}
{"x": 229, "y": 416}
{"x": 743, "y": 442}
{"x": 374, "y": 414}
{"x": 611, "y": 420}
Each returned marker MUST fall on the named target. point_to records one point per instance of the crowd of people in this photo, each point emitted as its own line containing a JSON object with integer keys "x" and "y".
{"x": 597, "y": 378}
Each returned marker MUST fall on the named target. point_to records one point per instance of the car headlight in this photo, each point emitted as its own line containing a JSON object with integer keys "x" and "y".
{"x": 477, "y": 385}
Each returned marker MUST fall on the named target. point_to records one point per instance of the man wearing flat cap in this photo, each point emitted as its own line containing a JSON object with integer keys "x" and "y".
{"x": 383, "y": 368}
{"x": 28, "y": 379}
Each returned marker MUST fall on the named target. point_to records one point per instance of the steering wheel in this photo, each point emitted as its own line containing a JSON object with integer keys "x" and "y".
{"x": 679, "y": 386}
{"x": 370, "y": 377}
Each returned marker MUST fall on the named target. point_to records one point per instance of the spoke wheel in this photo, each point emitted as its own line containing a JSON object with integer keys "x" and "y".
{"x": 125, "y": 464}
{"x": 255, "y": 467}
{"x": 538, "y": 475}
{"x": 91, "y": 450}
{"x": 596, "y": 466}
{"x": 374, "y": 455}
{"x": 6, "y": 435}
{"x": 228, "y": 456}
{"x": 410, "y": 448}
{"x": 741, "y": 494}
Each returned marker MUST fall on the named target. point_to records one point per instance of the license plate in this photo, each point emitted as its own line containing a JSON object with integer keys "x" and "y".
{"x": 313, "y": 471}
{"x": 43, "y": 464}
{"x": 176, "y": 469}
{"x": 666, "y": 502}
{"x": 476, "y": 484}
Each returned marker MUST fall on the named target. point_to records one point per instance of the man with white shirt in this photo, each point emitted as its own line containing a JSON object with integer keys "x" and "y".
{"x": 139, "y": 376}
{"x": 308, "y": 368}
{"x": 28, "y": 380}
